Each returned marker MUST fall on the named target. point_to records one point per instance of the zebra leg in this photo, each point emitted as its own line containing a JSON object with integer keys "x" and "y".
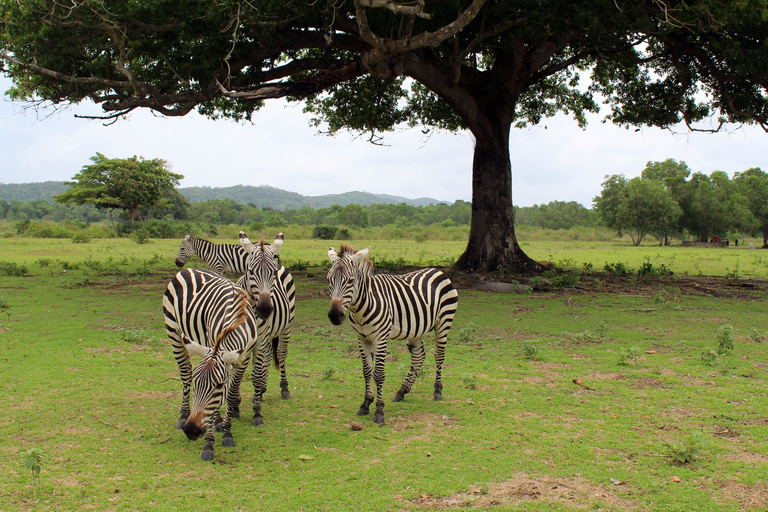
{"x": 233, "y": 400}
{"x": 185, "y": 371}
{"x": 209, "y": 439}
{"x": 237, "y": 376}
{"x": 282, "y": 355}
{"x": 378, "y": 376}
{"x": 259, "y": 375}
{"x": 366, "y": 354}
{"x": 416, "y": 348}
{"x": 442, "y": 339}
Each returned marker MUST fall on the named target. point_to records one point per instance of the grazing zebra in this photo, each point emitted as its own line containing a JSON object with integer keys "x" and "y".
{"x": 270, "y": 287}
{"x": 207, "y": 315}
{"x": 220, "y": 257}
{"x": 383, "y": 307}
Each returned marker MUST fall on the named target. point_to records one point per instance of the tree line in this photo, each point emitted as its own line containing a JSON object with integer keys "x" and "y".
{"x": 667, "y": 200}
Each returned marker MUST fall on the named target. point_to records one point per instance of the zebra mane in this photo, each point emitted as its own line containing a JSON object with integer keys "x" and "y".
{"x": 365, "y": 264}
{"x": 239, "y": 314}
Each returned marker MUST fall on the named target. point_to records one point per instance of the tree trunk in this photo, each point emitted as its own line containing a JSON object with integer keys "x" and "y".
{"x": 492, "y": 242}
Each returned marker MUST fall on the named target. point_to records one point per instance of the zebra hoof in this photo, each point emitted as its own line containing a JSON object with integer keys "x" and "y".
{"x": 378, "y": 418}
{"x": 236, "y": 413}
{"x": 363, "y": 411}
{"x": 398, "y": 397}
{"x": 258, "y": 421}
{"x": 286, "y": 395}
{"x": 207, "y": 455}
{"x": 180, "y": 423}
{"x": 437, "y": 396}
{"x": 228, "y": 442}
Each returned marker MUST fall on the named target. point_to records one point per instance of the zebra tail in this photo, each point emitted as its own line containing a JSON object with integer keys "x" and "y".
{"x": 275, "y": 343}
{"x": 240, "y": 310}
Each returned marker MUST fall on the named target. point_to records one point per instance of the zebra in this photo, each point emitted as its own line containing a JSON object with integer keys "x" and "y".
{"x": 220, "y": 257}
{"x": 207, "y": 315}
{"x": 270, "y": 287}
{"x": 383, "y": 307}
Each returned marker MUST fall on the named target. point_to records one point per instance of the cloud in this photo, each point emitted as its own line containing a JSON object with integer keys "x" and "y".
{"x": 552, "y": 161}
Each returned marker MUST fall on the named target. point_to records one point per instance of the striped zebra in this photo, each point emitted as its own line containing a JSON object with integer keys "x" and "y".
{"x": 219, "y": 257}
{"x": 383, "y": 307}
{"x": 207, "y": 315}
{"x": 273, "y": 295}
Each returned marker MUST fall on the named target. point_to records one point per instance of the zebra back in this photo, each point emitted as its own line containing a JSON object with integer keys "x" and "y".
{"x": 202, "y": 307}
{"x": 219, "y": 257}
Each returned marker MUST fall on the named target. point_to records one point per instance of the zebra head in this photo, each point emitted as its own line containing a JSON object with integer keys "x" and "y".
{"x": 209, "y": 381}
{"x": 261, "y": 272}
{"x": 341, "y": 279}
{"x": 186, "y": 251}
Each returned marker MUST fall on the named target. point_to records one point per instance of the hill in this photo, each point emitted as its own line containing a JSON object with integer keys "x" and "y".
{"x": 27, "y": 192}
{"x": 262, "y": 196}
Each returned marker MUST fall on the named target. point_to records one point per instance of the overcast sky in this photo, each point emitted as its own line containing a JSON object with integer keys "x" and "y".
{"x": 555, "y": 161}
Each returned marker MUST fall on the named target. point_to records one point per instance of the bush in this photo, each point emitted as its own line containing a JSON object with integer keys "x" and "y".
{"x": 324, "y": 232}
{"x": 140, "y": 236}
{"x": 81, "y": 237}
{"x": 8, "y": 268}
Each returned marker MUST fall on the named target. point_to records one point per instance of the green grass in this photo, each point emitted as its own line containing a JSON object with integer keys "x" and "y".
{"x": 89, "y": 378}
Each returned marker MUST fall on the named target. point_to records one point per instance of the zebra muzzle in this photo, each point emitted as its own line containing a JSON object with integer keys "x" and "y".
{"x": 336, "y": 314}
{"x": 193, "y": 429}
{"x": 179, "y": 263}
{"x": 264, "y": 306}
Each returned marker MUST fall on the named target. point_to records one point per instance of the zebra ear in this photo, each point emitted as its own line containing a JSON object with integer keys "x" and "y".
{"x": 195, "y": 349}
{"x": 277, "y": 244}
{"x": 246, "y": 243}
{"x": 332, "y": 254}
{"x": 359, "y": 255}
{"x": 186, "y": 237}
{"x": 231, "y": 356}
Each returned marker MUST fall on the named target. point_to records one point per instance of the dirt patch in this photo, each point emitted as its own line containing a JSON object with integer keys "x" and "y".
{"x": 605, "y": 376}
{"x": 576, "y": 493}
{"x": 746, "y": 289}
{"x": 752, "y": 497}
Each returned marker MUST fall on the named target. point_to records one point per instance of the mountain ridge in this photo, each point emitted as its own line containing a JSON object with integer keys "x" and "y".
{"x": 263, "y": 196}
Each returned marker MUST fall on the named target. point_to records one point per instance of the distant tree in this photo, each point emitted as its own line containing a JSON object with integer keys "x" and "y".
{"x": 638, "y": 206}
{"x": 607, "y": 204}
{"x": 381, "y": 217}
{"x": 120, "y": 183}
{"x": 353, "y": 215}
{"x": 557, "y": 215}
{"x": 674, "y": 175}
{"x": 753, "y": 185}
{"x": 647, "y": 208}
{"x": 717, "y": 207}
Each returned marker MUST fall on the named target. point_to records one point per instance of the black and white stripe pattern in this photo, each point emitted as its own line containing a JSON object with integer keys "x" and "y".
{"x": 219, "y": 257}
{"x": 207, "y": 315}
{"x": 273, "y": 295}
{"x": 384, "y": 307}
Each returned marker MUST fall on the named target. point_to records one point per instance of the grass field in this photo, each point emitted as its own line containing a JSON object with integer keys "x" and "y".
{"x": 566, "y": 400}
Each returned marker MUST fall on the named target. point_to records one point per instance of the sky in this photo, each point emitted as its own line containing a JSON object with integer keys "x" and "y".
{"x": 554, "y": 161}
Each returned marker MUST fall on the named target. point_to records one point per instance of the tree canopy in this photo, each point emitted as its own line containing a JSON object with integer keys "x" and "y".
{"x": 663, "y": 201}
{"x": 371, "y": 65}
{"x": 123, "y": 183}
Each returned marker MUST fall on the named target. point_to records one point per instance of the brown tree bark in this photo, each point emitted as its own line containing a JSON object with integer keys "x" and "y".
{"x": 492, "y": 242}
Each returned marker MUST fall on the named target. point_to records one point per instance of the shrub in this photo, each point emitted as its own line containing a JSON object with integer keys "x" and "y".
{"x": 140, "y": 235}
{"x": 81, "y": 237}
{"x": 324, "y": 232}
{"x": 725, "y": 340}
{"x": 8, "y": 268}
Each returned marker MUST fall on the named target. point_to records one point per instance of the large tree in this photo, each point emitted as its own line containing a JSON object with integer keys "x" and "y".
{"x": 481, "y": 65}
{"x": 129, "y": 184}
